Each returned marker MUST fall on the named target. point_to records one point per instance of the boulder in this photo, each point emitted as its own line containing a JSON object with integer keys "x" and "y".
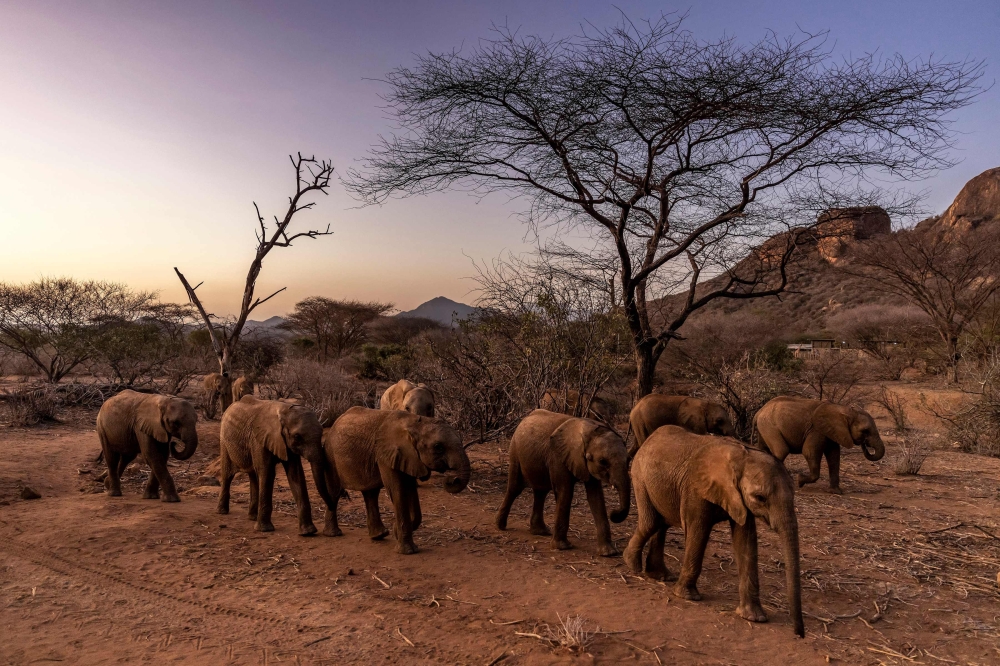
{"x": 839, "y": 228}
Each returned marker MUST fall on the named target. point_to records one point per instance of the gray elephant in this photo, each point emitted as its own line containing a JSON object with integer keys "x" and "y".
{"x": 218, "y": 393}
{"x": 131, "y": 423}
{"x": 255, "y": 435}
{"x": 552, "y": 451}
{"x": 815, "y": 428}
{"x": 695, "y": 481}
{"x": 567, "y": 401}
{"x": 409, "y": 397}
{"x": 372, "y": 448}
{"x": 699, "y": 416}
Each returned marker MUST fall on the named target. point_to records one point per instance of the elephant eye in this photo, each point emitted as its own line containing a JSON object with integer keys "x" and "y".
{"x": 760, "y": 498}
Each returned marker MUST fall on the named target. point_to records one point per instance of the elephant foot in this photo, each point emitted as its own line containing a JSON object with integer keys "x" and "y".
{"x": 114, "y": 493}
{"x": 406, "y": 548}
{"x": 752, "y": 612}
{"x": 149, "y": 495}
{"x": 171, "y": 498}
{"x": 501, "y": 523}
{"x": 378, "y": 536}
{"x": 835, "y": 491}
{"x": 608, "y": 550}
{"x": 561, "y": 544}
{"x": 803, "y": 480}
{"x": 264, "y": 527}
{"x": 307, "y": 530}
{"x": 251, "y": 515}
{"x": 331, "y": 531}
{"x": 540, "y": 530}
{"x": 222, "y": 510}
{"x": 633, "y": 560}
{"x": 659, "y": 572}
{"x": 685, "y": 592}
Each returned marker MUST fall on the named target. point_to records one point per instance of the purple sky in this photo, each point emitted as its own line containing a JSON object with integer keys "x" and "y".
{"x": 135, "y": 136}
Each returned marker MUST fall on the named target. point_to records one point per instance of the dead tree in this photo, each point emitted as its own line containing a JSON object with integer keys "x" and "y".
{"x": 311, "y": 175}
{"x": 673, "y": 157}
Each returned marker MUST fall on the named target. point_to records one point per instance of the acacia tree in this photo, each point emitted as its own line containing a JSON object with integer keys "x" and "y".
{"x": 311, "y": 175}
{"x": 950, "y": 274}
{"x": 54, "y": 322}
{"x": 674, "y": 156}
{"x": 335, "y": 327}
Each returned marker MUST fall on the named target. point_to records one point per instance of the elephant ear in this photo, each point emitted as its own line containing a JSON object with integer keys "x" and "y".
{"x": 400, "y": 453}
{"x": 569, "y": 441}
{"x": 721, "y": 466}
{"x": 834, "y": 422}
{"x": 149, "y": 417}
{"x": 274, "y": 433}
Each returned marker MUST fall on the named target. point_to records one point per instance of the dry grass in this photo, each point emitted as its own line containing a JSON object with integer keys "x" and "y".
{"x": 895, "y": 405}
{"x": 28, "y": 407}
{"x": 910, "y": 457}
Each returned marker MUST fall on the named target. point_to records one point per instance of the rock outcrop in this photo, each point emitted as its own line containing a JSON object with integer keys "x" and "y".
{"x": 839, "y": 228}
{"x": 976, "y": 204}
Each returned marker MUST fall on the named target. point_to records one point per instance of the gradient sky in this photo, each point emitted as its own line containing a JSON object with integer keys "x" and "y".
{"x": 134, "y": 136}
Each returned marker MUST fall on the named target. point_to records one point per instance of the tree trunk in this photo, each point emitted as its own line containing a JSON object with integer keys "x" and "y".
{"x": 646, "y": 369}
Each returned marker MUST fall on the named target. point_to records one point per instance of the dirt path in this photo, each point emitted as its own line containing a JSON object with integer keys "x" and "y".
{"x": 85, "y": 578}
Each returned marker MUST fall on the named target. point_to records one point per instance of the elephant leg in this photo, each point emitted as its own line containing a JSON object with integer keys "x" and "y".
{"x": 564, "y": 502}
{"x": 156, "y": 458}
{"x": 124, "y": 461}
{"x": 595, "y": 498}
{"x": 400, "y": 493}
{"x": 254, "y": 507}
{"x": 297, "y": 482}
{"x": 832, "y": 453}
{"x": 265, "y": 474}
{"x": 745, "y": 551}
{"x": 416, "y": 517}
{"x": 226, "y": 474}
{"x": 812, "y": 451}
{"x": 376, "y": 529}
{"x": 114, "y": 480}
{"x": 656, "y": 566}
{"x": 330, "y": 525}
{"x": 537, "y": 525}
{"x": 152, "y": 490}
{"x": 515, "y": 486}
{"x": 695, "y": 542}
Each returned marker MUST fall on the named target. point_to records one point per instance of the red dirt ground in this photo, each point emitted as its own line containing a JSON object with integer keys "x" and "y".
{"x": 897, "y": 570}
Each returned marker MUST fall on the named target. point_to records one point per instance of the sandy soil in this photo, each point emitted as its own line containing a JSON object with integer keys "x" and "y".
{"x": 897, "y": 570}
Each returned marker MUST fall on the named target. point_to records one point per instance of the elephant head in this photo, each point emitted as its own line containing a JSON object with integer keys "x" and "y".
{"x": 297, "y": 429}
{"x": 848, "y": 427}
{"x": 592, "y": 449}
{"x": 717, "y": 421}
{"x": 420, "y": 401}
{"x": 429, "y": 446}
{"x": 740, "y": 479}
{"x": 170, "y": 419}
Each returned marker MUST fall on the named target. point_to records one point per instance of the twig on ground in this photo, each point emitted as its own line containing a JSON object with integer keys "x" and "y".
{"x": 408, "y": 641}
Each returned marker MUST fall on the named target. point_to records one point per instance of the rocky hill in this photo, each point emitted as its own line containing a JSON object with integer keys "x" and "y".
{"x": 442, "y": 310}
{"x": 819, "y": 288}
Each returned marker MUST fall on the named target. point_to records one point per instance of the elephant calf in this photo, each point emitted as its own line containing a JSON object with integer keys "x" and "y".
{"x": 409, "y": 397}
{"x": 218, "y": 392}
{"x": 816, "y": 428}
{"x": 695, "y": 481}
{"x": 552, "y": 451}
{"x": 255, "y": 435}
{"x": 241, "y": 387}
{"x": 131, "y": 422}
{"x": 699, "y": 416}
{"x": 374, "y": 448}
{"x": 567, "y": 401}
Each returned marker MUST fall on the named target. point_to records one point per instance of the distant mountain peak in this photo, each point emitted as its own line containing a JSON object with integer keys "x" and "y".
{"x": 442, "y": 310}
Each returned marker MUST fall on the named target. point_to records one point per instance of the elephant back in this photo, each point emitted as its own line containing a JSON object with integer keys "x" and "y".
{"x": 393, "y": 397}
{"x": 351, "y": 443}
{"x": 238, "y": 429}
{"x": 116, "y": 420}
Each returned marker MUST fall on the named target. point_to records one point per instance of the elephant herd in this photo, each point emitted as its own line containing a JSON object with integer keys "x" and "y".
{"x": 686, "y": 468}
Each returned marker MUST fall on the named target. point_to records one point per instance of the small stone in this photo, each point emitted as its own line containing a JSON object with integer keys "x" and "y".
{"x": 208, "y": 481}
{"x": 350, "y": 572}
{"x": 28, "y": 493}
{"x": 222, "y": 527}
{"x": 83, "y": 471}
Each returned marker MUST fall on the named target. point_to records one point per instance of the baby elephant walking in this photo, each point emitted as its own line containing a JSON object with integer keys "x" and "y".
{"x": 552, "y": 451}
{"x": 695, "y": 481}
{"x": 131, "y": 422}
{"x": 254, "y": 437}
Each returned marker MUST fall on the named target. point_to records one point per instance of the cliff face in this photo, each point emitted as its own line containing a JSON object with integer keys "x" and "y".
{"x": 978, "y": 203}
{"x": 839, "y": 228}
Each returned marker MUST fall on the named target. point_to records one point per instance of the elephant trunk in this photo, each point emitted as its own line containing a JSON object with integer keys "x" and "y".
{"x": 877, "y": 448}
{"x": 788, "y": 529}
{"x": 624, "y": 486}
{"x": 460, "y": 471}
{"x": 189, "y": 438}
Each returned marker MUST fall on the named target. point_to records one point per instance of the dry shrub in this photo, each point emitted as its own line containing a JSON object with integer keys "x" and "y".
{"x": 893, "y": 403}
{"x": 572, "y": 633}
{"x": 30, "y": 406}
{"x": 910, "y": 457}
{"x": 324, "y": 388}
{"x": 833, "y": 375}
{"x": 975, "y": 426}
